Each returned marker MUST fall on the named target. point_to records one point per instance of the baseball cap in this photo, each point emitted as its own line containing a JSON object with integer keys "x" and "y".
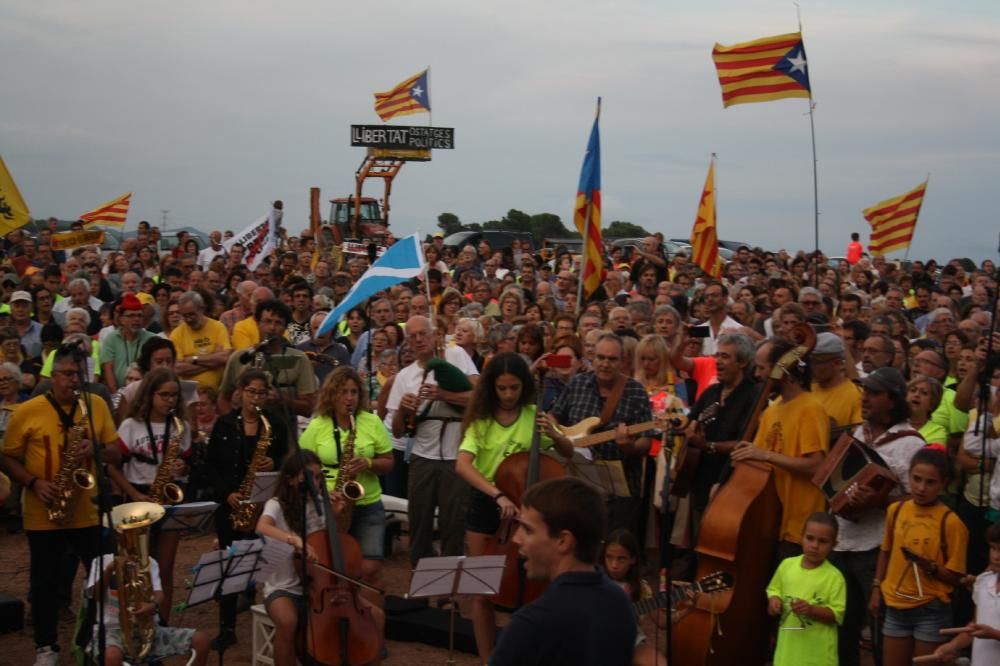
{"x": 828, "y": 344}
{"x": 885, "y": 380}
{"x": 20, "y": 296}
{"x": 130, "y": 302}
{"x": 10, "y": 277}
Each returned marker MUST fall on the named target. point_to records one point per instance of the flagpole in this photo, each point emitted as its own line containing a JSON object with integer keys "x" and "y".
{"x": 586, "y": 237}
{"x": 812, "y": 132}
{"x": 906, "y": 255}
{"x": 430, "y": 110}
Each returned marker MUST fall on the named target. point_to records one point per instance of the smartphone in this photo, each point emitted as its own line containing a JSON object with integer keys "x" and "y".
{"x": 699, "y": 332}
{"x": 558, "y": 360}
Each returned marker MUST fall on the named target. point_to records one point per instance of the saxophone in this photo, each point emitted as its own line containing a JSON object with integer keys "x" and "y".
{"x": 163, "y": 489}
{"x": 71, "y": 477}
{"x": 346, "y": 486}
{"x": 244, "y": 518}
{"x": 135, "y": 585}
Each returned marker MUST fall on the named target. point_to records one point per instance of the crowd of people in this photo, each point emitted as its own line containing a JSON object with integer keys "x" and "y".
{"x": 427, "y": 390}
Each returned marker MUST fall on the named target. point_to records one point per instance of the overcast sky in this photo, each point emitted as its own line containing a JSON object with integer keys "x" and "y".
{"x": 212, "y": 109}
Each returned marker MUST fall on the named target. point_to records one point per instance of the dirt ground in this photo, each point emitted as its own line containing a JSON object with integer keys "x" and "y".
{"x": 18, "y": 649}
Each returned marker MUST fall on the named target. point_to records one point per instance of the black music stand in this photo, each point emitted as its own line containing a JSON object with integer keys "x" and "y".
{"x": 193, "y": 517}
{"x": 454, "y": 576}
{"x": 222, "y": 572}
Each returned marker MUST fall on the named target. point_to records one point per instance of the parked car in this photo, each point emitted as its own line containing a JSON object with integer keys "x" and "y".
{"x": 498, "y": 240}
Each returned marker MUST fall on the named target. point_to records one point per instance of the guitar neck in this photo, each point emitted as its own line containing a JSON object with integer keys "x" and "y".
{"x": 659, "y": 600}
{"x": 601, "y": 437}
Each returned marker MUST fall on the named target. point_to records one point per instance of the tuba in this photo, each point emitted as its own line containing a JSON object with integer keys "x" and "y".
{"x": 132, "y": 523}
{"x": 71, "y": 477}
{"x": 163, "y": 490}
{"x": 244, "y": 518}
{"x": 346, "y": 485}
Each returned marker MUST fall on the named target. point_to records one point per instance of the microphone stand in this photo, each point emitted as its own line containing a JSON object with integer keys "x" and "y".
{"x": 666, "y": 527}
{"x": 310, "y": 493}
{"x": 101, "y": 499}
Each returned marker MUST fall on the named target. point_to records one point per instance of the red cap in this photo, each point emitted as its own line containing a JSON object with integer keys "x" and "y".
{"x": 130, "y": 302}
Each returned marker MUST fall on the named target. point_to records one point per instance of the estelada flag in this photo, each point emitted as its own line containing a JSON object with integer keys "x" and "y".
{"x": 762, "y": 70}
{"x": 894, "y": 220}
{"x": 13, "y": 211}
{"x": 704, "y": 238}
{"x": 410, "y": 96}
{"x": 110, "y": 213}
{"x": 587, "y": 214}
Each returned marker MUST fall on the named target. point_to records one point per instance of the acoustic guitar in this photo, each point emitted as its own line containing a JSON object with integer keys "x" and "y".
{"x": 713, "y": 582}
{"x": 688, "y": 457}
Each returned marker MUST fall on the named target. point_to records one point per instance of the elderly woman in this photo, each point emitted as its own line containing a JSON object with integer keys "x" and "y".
{"x": 511, "y": 303}
{"x": 468, "y": 336}
{"x": 501, "y": 338}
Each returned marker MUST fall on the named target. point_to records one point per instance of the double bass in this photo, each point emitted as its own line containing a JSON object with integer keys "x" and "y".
{"x": 739, "y": 536}
{"x": 340, "y": 629}
{"x": 517, "y": 473}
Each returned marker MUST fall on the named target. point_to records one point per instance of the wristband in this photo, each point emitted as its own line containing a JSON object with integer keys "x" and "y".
{"x": 31, "y": 484}
{"x": 496, "y": 498}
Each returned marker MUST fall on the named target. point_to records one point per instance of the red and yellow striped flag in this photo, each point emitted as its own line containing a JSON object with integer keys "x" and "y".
{"x": 109, "y": 214}
{"x": 704, "y": 239}
{"x": 894, "y": 220}
{"x": 762, "y": 70}
{"x": 410, "y": 96}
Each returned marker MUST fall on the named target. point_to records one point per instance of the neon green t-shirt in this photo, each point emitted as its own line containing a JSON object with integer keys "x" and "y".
{"x": 95, "y": 356}
{"x": 803, "y": 641}
{"x": 372, "y": 439}
{"x": 490, "y": 443}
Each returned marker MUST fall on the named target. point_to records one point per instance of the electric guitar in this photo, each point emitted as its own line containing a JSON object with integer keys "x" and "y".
{"x": 582, "y": 434}
{"x": 713, "y": 582}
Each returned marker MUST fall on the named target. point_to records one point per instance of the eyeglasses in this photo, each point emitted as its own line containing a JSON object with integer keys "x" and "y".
{"x": 6, "y": 379}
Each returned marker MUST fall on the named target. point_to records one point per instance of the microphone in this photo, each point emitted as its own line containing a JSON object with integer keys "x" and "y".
{"x": 248, "y": 355}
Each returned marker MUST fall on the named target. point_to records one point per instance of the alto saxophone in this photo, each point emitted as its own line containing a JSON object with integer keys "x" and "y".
{"x": 71, "y": 477}
{"x": 135, "y": 585}
{"x": 346, "y": 485}
{"x": 244, "y": 518}
{"x": 163, "y": 490}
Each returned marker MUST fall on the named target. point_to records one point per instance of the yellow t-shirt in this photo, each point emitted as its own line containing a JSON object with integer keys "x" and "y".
{"x": 245, "y": 333}
{"x": 35, "y": 436}
{"x": 842, "y": 403}
{"x": 795, "y": 428}
{"x": 919, "y": 529}
{"x": 212, "y": 337}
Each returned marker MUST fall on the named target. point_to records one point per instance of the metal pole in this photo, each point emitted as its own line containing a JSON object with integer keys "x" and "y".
{"x": 583, "y": 264}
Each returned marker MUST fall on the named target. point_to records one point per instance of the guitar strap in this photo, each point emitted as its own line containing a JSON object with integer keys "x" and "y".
{"x": 613, "y": 398}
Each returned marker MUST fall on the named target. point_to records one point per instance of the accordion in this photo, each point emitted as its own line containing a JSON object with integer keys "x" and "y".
{"x": 851, "y": 465}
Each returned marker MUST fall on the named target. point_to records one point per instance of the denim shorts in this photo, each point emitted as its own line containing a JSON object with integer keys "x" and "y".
{"x": 924, "y": 623}
{"x": 483, "y": 514}
{"x": 168, "y": 641}
{"x": 368, "y": 527}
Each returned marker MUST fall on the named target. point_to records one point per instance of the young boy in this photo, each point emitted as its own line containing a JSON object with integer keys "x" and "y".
{"x": 169, "y": 641}
{"x": 984, "y": 633}
{"x": 810, "y": 595}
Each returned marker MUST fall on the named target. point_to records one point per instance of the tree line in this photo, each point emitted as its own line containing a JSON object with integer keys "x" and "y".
{"x": 539, "y": 225}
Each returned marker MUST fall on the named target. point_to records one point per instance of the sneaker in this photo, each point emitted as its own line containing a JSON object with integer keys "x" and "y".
{"x": 225, "y": 639}
{"x": 46, "y": 656}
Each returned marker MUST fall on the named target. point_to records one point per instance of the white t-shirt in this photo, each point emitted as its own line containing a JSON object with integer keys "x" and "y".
{"x": 111, "y": 599}
{"x": 973, "y": 445}
{"x": 866, "y": 533}
{"x": 710, "y": 344}
{"x": 436, "y": 440}
{"x": 135, "y": 436}
{"x": 206, "y": 256}
{"x": 984, "y": 650}
{"x": 285, "y": 576}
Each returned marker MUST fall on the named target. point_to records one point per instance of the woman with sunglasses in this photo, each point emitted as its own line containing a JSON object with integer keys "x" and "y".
{"x": 231, "y": 448}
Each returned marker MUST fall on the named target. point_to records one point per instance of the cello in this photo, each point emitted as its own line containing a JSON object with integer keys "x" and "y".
{"x": 340, "y": 629}
{"x": 517, "y": 473}
{"x": 739, "y": 536}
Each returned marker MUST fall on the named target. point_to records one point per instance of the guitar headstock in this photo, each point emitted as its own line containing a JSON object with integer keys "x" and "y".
{"x": 714, "y": 582}
{"x": 710, "y": 413}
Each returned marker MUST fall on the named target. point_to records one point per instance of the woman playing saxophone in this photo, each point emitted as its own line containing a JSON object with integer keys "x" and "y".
{"x": 149, "y": 460}
{"x": 353, "y": 445}
{"x": 231, "y": 451}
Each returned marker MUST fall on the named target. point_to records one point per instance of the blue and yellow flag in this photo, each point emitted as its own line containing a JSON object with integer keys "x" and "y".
{"x": 13, "y": 211}
{"x": 587, "y": 215}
